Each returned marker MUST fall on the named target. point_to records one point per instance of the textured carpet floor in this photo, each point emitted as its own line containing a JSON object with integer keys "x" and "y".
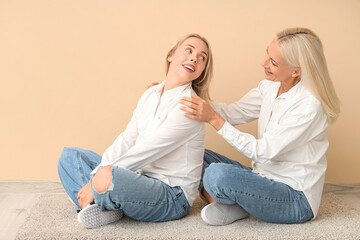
{"x": 54, "y": 217}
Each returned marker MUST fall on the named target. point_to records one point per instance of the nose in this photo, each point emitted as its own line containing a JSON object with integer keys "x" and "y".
{"x": 193, "y": 60}
{"x": 265, "y": 61}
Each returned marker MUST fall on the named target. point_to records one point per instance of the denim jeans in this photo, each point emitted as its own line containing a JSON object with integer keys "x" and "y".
{"x": 229, "y": 182}
{"x": 139, "y": 197}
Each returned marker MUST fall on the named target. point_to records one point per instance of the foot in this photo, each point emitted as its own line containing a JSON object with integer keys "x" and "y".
{"x": 92, "y": 216}
{"x": 222, "y": 214}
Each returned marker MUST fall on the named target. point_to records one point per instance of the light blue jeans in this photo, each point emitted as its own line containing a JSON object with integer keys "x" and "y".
{"x": 229, "y": 182}
{"x": 139, "y": 197}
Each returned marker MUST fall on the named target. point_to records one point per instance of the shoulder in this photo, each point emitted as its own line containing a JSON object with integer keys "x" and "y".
{"x": 307, "y": 107}
{"x": 265, "y": 86}
{"x": 306, "y": 101}
{"x": 178, "y": 114}
{"x": 148, "y": 94}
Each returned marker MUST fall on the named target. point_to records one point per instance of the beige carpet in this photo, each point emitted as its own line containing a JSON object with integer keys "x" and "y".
{"x": 54, "y": 217}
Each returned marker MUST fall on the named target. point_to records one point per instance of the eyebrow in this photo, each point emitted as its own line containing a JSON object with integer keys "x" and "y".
{"x": 195, "y": 48}
{"x": 267, "y": 51}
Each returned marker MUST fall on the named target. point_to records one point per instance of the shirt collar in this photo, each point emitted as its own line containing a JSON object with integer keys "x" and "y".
{"x": 158, "y": 88}
{"x": 171, "y": 92}
{"x": 292, "y": 92}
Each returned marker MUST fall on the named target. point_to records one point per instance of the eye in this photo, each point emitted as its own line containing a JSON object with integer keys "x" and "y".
{"x": 188, "y": 50}
{"x": 202, "y": 58}
{"x": 273, "y": 63}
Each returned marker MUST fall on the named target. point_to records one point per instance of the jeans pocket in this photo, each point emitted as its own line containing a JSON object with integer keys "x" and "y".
{"x": 180, "y": 202}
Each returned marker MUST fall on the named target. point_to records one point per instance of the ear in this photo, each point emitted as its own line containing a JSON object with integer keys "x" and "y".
{"x": 170, "y": 55}
{"x": 296, "y": 72}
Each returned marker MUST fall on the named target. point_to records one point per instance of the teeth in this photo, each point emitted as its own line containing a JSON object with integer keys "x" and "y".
{"x": 188, "y": 67}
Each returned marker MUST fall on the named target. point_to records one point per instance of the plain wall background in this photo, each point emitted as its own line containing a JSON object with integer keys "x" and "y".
{"x": 72, "y": 71}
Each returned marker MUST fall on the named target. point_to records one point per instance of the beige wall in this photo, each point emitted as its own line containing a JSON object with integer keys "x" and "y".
{"x": 71, "y": 72}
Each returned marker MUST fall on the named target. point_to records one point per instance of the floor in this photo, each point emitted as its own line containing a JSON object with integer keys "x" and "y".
{"x": 17, "y": 198}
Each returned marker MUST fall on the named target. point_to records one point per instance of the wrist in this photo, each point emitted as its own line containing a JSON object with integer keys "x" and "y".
{"x": 217, "y": 121}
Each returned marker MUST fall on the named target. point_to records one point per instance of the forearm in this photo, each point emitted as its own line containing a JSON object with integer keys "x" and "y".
{"x": 216, "y": 121}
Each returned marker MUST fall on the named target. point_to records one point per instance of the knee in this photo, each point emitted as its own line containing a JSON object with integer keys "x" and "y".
{"x": 215, "y": 175}
{"x": 66, "y": 157}
{"x": 102, "y": 179}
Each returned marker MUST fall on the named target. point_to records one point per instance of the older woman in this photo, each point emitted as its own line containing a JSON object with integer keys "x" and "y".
{"x": 294, "y": 105}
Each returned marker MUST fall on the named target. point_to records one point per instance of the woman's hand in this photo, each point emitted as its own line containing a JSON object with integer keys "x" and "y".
{"x": 199, "y": 109}
{"x": 85, "y": 196}
{"x": 151, "y": 84}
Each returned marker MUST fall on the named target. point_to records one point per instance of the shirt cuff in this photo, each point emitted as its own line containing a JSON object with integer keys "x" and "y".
{"x": 239, "y": 140}
{"x": 230, "y": 134}
{"x": 226, "y": 128}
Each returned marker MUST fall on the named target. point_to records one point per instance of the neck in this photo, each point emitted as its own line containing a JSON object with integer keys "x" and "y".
{"x": 287, "y": 85}
{"x": 173, "y": 81}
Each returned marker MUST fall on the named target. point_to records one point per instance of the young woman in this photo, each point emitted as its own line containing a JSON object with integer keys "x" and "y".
{"x": 293, "y": 105}
{"x": 152, "y": 170}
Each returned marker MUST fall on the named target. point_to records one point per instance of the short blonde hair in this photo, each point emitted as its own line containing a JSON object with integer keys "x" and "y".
{"x": 301, "y": 48}
{"x": 202, "y": 83}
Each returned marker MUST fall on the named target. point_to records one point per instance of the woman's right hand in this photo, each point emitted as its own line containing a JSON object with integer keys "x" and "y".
{"x": 85, "y": 196}
{"x": 200, "y": 110}
{"x": 152, "y": 84}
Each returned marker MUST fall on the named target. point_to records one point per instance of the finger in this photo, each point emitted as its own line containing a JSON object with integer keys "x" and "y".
{"x": 190, "y": 116}
{"x": 187, "y": 99}
{"x": 190, "y": 100}
{"x": 197, "y": 98}
{"x": 189, "y": 105}
{"x": 188, "y": 110}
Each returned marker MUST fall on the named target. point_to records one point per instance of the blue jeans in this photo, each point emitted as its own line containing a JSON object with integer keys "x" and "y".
{"x": 229, "y": 182}
{"x": 139, "y": 197}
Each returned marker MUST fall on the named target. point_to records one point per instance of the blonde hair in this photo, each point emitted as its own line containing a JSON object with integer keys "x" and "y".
{"x": 202, "y": 83}
{"x": 301, "y": 48}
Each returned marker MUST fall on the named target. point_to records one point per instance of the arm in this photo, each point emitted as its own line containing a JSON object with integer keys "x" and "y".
{"x": 125, "y": 141}
{"x": 174, "y": 132}
{"x": 243, "y": 111}
{"x": 293, "y": 131}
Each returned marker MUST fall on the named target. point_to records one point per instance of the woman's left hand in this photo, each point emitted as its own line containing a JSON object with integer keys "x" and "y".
{"x": 199, "y": 109}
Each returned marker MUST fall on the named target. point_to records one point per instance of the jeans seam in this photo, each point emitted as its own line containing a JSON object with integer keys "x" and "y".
{"x": 260, "y": 197}
{"x": 81, "y": 171}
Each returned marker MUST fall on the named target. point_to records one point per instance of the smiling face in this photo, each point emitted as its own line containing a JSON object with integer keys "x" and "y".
{"x": 275, "y": 66}
{"x": 188, "y": 61}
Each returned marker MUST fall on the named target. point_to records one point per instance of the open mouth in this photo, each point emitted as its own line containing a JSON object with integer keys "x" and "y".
{"x": 189, "y": 67}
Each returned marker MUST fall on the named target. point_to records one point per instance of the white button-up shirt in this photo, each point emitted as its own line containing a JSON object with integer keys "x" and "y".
{"x": 291, "y": 142}
{"x": 160, "y": 142}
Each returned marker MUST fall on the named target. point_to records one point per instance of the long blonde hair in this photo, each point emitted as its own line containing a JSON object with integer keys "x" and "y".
{"x": 202, "y": 83}
{"x": 301, "y": 48}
